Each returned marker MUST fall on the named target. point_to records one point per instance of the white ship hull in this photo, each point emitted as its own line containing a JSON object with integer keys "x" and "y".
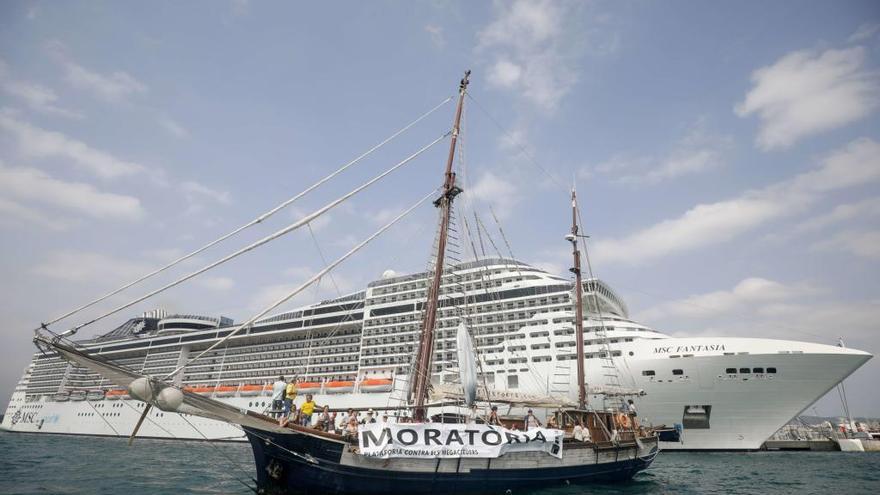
{"x": 745, "y": 408}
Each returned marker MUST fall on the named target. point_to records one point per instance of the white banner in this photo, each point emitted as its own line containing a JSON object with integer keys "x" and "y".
{"x": 440, "y": 440}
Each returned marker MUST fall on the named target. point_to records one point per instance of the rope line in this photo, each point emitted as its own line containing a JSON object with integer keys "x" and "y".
{"x": 303, "y": 221}
{"x": 253, "y": 222}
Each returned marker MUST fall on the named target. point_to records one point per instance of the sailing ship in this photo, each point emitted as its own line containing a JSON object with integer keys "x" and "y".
{"x": 467, "y": 452}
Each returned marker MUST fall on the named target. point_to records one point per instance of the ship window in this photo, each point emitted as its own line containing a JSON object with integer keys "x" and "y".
{"x": 512, "y": 381}
{"x": 771, "y": 370}
{"x": 743, "y": 370}
{"x": 677, "y": 372}
{"x": 648, "y": 373}
{"x": 731, "y": 371}
{"x": 757, "y": 370}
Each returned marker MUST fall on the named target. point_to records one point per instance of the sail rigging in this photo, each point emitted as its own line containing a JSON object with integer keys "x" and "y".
{"x": 259, "y": 219}
{"x": 422, "y": 368}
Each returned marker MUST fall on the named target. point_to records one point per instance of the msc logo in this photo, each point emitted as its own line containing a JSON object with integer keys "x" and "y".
{"x": 20, "y": 417}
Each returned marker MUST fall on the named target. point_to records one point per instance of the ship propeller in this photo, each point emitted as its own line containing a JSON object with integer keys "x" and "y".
{"x": 139, "y": 423}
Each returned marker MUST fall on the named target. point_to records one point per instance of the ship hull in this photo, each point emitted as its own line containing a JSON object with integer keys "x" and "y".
{"x": 303, "y": 464}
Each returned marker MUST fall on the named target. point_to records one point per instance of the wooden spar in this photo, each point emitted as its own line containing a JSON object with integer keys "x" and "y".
{"x": 579, "y": 305}
{"x": 422, "y": 368}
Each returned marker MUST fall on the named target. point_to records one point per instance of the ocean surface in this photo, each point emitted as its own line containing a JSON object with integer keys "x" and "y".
{"x": 91, "y": 465}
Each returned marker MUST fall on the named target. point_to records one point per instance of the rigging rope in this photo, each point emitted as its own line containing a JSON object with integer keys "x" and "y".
{"x": 303, "y": 221}
{"x": 253, "y": 222}
{"x": 304, "y": 286}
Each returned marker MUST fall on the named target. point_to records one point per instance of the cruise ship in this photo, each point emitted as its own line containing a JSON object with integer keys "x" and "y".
{"x": 718, "y": 393}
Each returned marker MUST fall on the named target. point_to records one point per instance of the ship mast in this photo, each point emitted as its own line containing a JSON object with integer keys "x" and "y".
{"x": 579, "y": 305}
{"x": 422, "y": 368}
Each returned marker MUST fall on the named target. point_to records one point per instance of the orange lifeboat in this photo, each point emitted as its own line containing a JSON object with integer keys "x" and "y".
{"x": 376, "y": 385}
{"x": 307, "y": 387}
{"x": 226, "y": 390}
{"x": 117, "y": 394}
{"x": 250, "y": 390}
{"x": 200, "y": 390}
{"x": 339, "y": 387}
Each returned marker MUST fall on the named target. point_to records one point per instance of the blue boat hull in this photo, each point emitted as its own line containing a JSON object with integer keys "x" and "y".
{"x": 284, "y": 467}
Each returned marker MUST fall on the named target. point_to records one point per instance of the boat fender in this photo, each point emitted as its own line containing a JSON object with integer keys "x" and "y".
{"x": 141, "y": 389}
{"x": 169, "y": 399}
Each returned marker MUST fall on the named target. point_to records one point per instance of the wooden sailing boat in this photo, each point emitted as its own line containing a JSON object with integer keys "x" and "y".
{"x": 418, "y": 456}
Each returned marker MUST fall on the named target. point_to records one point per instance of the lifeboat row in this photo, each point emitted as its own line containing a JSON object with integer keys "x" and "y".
{"x": 370, "y": 385}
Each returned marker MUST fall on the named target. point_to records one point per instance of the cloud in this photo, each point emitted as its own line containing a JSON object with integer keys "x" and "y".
{"x": 856, "y": 163}
{"x": 323, "y": 289}
{"x": 115, "y": 86}
{"x": 193, "y": 190}
{"x": 865, "y": 32}
{"x": 805, "y": 93}
{"x": 12, "y": 212}
{"x": 748, "y": 292}
{"x": 36, "y": 142}
{"x": 697, "y": 152}
{"x": 505, "y": 74}
{"x": 758, "y": 307}
{"x": 35, "y": 186}
{"x": 174, "y": 128}
{"x": 865, "y": 244}
{"x": 534, "y": 50}
{"x": 84, "y": 266}
{"x": 436, "y": 34}
{"x": 495, "y": 190}
{"x": 841, "y": 213}
{"x": 36, "y": 96}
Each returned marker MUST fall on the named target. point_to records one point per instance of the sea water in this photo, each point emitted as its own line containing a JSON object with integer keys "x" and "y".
{"x": 61, "y": 464}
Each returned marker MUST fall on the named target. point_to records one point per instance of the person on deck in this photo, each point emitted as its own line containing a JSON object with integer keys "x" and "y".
{"x": 351, "y": 429}
{"x": 289, "y": 396}
{"x": 278, "y": 395}
{"x": 370, "y": 418}
{"x": 631, "y": 406}
{"x": 531, "y": 421}
{"x": 580, "y": 432}
{"x": 493, "y": 419}
{"x": 325, "y": 421}
{"x": 306, "y": 410}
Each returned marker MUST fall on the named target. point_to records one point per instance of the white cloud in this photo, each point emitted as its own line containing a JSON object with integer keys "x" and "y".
{"x": 865, "y": 32}
{"x": 83, "y": 266}
{"x": 35, "y": 186}
{"x": 436, "y": 34}
{"x": 534, "y": 50}
{"x": 495, "y": 190}
{"x": 173, "y": 127}
{"x": 697, "y": 152}
{"x": 805, "y": 93}
{"x": 195, "y": 189}
{"x": 504, "y": 74}
{"x": 865, "y": 244}
{"x": 115, "y": 86}
{"x": 12, "y": 212}
{"x": 856, "y": 163}
{"x": 36, "y": 142}
{"x": 745, "y": 294}
{"x": 36, "y": 96}
{"x": 839, "y": 214}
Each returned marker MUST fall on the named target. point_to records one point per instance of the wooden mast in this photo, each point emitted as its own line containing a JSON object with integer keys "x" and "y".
{"x": 422, "y": 368}
{"x": 579, "y": 304}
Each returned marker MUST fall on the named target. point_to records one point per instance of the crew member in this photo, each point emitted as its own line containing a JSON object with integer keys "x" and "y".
{"x": 278, "y": 395}
{"x": 306, "y": 410}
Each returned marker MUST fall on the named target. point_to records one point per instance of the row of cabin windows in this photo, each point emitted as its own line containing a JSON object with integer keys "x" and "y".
{"x": 730, "y": 371}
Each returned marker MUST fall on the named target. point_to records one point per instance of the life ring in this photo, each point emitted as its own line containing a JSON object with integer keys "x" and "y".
{"x": 623, "y": 420}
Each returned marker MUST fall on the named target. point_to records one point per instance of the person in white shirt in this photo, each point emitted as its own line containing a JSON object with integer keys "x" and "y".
{"x": 581, "y": 433}
{"x": 278, "y": 389}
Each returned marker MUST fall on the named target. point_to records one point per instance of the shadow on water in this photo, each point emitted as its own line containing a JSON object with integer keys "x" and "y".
{"x": 32, "y": 464}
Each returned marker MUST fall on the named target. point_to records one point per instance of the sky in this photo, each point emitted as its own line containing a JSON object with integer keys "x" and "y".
{"x": 726, "y": 155}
